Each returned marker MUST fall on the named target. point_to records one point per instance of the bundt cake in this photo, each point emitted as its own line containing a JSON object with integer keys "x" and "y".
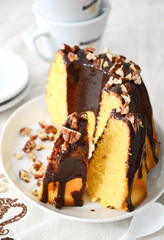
{"x": 65, "y": 177}
{"x": 117, "y": 174}
{"x": 107, "y": 97}
{"x": 82, "y": 81}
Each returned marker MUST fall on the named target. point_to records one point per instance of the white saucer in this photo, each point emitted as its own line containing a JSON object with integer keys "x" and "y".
{"x": 12, "y": 102}
{"x": 14, "y": 75}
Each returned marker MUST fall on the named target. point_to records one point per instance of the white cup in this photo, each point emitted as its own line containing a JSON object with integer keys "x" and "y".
{"x": 69, "y": 10}
{"x": 53, "y": 34}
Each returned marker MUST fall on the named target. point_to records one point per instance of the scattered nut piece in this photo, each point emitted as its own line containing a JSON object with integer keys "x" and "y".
{"x": 31, "y": 155}
{"x": 50, "y": 129}
{"x": 29, "y": 146}
{"x": 74, "y": 48}
{"x": 42, "y": 123}
{"x": 35, "y": 192}
{"x": 111, "y": 57}
{"x": 51, "y": 137}
{"x": 39, "y": 182}
{"x": 25, "y": 131}
{"x": 18, "y": 155}
{"x": 118, "y": 110}
{"x": 33, "y": 137}
{"x": 42, "y": 146}
{"x": 43, "y": 136}
{"x": 38, "y": 174}
{"x": 24, "y": 175}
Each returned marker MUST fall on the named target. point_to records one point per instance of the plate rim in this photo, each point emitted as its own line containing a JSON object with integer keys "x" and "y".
{"x": 39, "y": 205}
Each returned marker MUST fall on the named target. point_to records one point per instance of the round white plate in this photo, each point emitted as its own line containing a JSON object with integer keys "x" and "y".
{"x": 14, "y": 75}
{"x": 10, "y": 103}
{"x": 11, "y": 142}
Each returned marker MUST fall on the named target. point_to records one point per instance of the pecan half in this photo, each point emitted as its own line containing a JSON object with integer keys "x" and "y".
{"x": 70, "y": 136}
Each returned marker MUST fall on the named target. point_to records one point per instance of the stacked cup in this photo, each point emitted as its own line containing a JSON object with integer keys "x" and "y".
{"x": 74, "y": 22}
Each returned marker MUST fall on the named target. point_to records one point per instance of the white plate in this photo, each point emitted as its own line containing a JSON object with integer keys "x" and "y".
{"x": 12, "y": 102}
{"x": 28, "y": 115}
{"x": 14, "y": 75}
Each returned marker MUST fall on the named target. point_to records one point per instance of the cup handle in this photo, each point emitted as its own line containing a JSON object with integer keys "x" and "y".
{"x": 30, "y": 41}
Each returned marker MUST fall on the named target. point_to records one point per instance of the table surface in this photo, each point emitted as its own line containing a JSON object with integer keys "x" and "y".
{"x": 134, "y": 29}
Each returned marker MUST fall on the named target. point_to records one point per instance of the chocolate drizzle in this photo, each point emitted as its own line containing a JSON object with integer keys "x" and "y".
{"x": 86, "y": 80}
{"x": 136, "y": 153}
{"x": 66, "y": 165}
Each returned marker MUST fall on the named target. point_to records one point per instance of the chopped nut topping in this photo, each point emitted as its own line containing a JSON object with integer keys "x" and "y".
{"x": 138, "y": 81}
{"x": 120, "y": 71}
{"x": 31, "y": 156}
{"x": 126, "y": 98}
{"x": 70, "y": 136}
{"x": 65, "y": 146}
{"x": 50, "y": 129}
{"x": 89, "y": 50}
{"x": 106, "y": 50}
{"x": 74, "y": 48}
{"x": 29, "y": 146}
{"x": 74, "y": 121}
{"x": 91, "y": 56}
{"x": 73, "y": 57}
{"x": 101, "y": 64}
{"x": 130, "y": 117}
{"x": 123, "y": 88}
{"x": 120, "y": 59}
{"x": 125, "y": 109}
{"x": 106, "y": 64}
{"x": 35, "y": 192}
{"x": 129, "y": 76}
{"x": 118, "y": 109}
{"x": 134, "y": 67}
{"x": 65, "y": 47}
{"x": 18, "y": 155}
{"x": 111, "y": 57}
{"x": 97, "y": 63}
{"x": 139, "y": 122}
{"x": 24, "y": 175}
{"x": 25, "y": 131}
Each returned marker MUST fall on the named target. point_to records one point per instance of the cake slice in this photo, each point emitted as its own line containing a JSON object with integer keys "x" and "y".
{"x": 65, "y": 177}
{"x": 117, "y": 173}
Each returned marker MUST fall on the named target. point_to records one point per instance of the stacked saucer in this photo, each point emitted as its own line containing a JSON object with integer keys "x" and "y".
{"x": 14, "y": 79}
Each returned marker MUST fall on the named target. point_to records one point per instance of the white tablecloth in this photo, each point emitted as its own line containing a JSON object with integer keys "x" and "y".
{"x": 135, "y": 29}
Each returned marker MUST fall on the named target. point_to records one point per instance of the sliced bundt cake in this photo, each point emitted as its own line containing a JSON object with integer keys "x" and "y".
{"x": 65, "y": 177}
{"x": 117, "y": 173}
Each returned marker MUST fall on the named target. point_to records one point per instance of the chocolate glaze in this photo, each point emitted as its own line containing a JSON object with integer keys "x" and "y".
{"x": 67, "y": 165}
{"x": 140, "y": 103}
{"x": 136, "y": 153}
{"x": 85, "y": 83}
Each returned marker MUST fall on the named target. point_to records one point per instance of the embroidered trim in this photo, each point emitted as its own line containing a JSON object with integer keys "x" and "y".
{"x": 5, "y": 205}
